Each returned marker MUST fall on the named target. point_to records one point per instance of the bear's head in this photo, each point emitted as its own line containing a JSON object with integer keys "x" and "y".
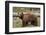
{"x": 21, "y": 15}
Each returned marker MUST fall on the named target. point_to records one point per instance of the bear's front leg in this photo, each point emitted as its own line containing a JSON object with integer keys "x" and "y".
{"x": 23, "y": 23}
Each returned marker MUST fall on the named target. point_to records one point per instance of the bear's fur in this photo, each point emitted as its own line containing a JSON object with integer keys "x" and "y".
{"x": 28, "y": 17}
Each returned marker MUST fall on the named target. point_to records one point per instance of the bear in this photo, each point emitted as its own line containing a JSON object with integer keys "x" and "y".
{"x": 28, "y": 17}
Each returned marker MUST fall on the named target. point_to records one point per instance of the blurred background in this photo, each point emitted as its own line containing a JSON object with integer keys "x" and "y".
{"x": 17, "y": 23}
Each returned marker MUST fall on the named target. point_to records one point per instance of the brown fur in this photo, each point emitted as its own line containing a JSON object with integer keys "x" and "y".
{"x": 28, "y": 18}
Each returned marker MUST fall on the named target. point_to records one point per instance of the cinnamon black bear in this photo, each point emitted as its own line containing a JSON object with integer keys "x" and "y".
{"x": 26, "y": 18}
